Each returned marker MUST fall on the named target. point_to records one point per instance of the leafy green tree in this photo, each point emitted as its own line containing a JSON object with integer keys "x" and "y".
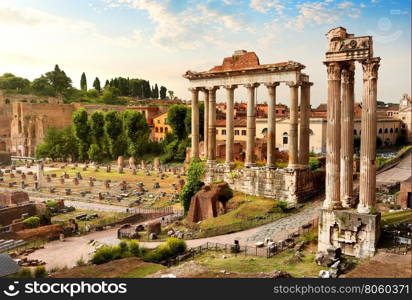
{"x": 113, "y": 127}
{"x": 97, "y": 127}
{"x": 41, "y": 86}
{"x": 59, "y": 80}
{"x": 155, "y": 92}
{"x": 110, "y": 95}
{"x": 171, "y": 94}
{"x": 95, "y": 153}
{"x": 58, "y": 144}
{"x": 11, "y": 82}
{"x": 193, "y": 185}
{"x": 136, "y": 131}
{"x": 176, "y": 118}
{"x": 83, "y": 82}
{"x": 107, "y": 84}
{"x": 81, "y": 130}
{"x": 96, "y": 84}
{"x": 163, "y": 91}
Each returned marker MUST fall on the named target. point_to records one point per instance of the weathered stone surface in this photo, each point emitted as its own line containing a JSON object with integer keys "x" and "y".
{"x": 209, "y": 202}
{"x": 356, "y": 234}
{"x": 13, "y": 198}
{"x": 154, "y": 227}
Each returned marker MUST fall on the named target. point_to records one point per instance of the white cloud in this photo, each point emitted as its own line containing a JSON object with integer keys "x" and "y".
{"x": 265, "y": 6}
{"x": 321, "y": 12}
{"x": 186, "y": 29}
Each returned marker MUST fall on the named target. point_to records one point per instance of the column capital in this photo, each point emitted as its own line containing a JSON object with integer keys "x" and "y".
{"x": 370, "y": 68}
{"x": 306, "y": 84}
{"x": 230, "y": 86}
{"x": 292, "y": 84}
{"x": 334, "y": 70}
{"x": 272, "y": 84}
{"x": 194, "y": 89}
{"x": 212, "y": 88}
{"x": 251, "y": 85}
{"x": 348, "y": 72}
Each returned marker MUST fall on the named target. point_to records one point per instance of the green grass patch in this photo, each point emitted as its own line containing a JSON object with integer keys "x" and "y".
{"x": 247, "y": 212}
{"x": 396, "y": 217}
{"x": 247, "y": 264}
{"x": 144, "y": 271}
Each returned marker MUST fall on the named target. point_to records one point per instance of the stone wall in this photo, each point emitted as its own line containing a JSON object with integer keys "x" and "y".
{"x": 355, "y": 234}
{"x": 5, "y": 158}
{"x": 405, "y": 190}
{"x": 10, "y": 214}
{"x": 292, "y": 186}
{"x": 13, "y": 198}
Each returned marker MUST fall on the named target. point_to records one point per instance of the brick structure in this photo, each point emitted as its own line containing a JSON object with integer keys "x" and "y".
{"x": 13, "y": 198}
{"x": 209, "y": 202}
{"x": 405, "y": 194}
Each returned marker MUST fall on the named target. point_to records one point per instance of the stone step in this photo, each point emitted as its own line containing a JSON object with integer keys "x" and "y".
{"x": 7, "y": 245}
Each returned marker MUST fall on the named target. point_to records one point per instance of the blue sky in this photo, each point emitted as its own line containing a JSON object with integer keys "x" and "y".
{"x": 159, "y": 40}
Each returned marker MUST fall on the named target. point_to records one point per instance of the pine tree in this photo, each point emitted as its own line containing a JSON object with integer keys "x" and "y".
{"x": 156, "y": 92}
{"x": 96, "y": 84}
{"x": 83, "y": 82}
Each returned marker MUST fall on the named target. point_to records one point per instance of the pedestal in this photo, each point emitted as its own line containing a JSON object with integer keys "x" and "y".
{"x": 355, "y": 234}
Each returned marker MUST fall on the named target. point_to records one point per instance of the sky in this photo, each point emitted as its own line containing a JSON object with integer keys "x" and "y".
{"x": 160, "y": 40}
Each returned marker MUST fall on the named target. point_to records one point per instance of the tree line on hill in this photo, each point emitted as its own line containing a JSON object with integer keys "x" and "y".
{"x": 57, "y": 84}
{"x": 102, "y": 137}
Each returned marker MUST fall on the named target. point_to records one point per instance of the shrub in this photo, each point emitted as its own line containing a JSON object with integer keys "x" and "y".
{"x": 106, "y": 254}
{"x": 51, "y": 203}
{"x": 310, "y": 237}
{"x": 176, "y": 246}
{"x": 193, "y": 185}
{"x": 32, "y": 222}
{"x": 24, "y": 273}
{"x": 134, "y": 249}
{"x": 80, "y": 262}
{"x": 40, "y": 272}
{"x": 283, "y": 205}
{"x": 314, "y": 163}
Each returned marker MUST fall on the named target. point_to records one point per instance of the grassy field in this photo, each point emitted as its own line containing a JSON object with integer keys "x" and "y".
{"x": 245, "y": 212}
{"x": 396, "y": 217}
{"x": 215, "y": 262}
{"x": 131, "y": 267}
{"x": 103, "y": 218}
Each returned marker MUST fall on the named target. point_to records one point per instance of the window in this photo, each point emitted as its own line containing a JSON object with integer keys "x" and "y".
{"x": 156, "y": 129}
{"x": 236, "y": 132}
{"x": 7, "y": 101}
{"x": 161, "y": 129}
{"x": 285, "y": 140}
{"x": 243, "y": 132}
{"x": 355, "y": 132}
{"x": 386, "y": 130}
{"x": 380, "y": 130}
{"x": 223, "y": 131}
{"x": 391, "y": 130}
{"x": 396, "y": 130}
{"x": 166, "y": 129}
{"x": 158, "y": 121}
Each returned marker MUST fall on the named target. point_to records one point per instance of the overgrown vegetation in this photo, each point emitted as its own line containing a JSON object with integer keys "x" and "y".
{"x": 193, "y": 184}
{"x": 31, "y": 222}
{"x": 171, "y": 248}
{"x": 38, "y": 272}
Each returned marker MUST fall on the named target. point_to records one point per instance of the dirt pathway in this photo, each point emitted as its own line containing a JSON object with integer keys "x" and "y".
{"x": 67, "y": 253}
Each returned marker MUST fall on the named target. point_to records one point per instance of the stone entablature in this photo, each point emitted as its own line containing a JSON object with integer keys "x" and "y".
{"x": 290, "y": 185}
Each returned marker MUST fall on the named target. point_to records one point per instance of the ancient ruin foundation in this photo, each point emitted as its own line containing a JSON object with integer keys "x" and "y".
{"x": 355, "y": 232}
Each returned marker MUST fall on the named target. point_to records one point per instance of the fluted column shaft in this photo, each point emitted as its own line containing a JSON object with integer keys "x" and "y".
{"x": 206, "y": 122}
{"x": 251, "y": 125}
{"x": 367, "y": 184}
{"x": 271, "y": 133}
{"x": 304, "y": 124}
{"x": 293, "y": 126}
{"x": 212, "y": 125}
{"x": 346, "y": 155}
{"x": 332, "y": 200}
{"x": 229, "y": 123}
{"x": 195, "y": 123}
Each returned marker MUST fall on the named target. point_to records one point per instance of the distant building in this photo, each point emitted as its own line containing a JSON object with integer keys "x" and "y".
{"x": 405, "y": 115}
{"x": 160, "y": 127}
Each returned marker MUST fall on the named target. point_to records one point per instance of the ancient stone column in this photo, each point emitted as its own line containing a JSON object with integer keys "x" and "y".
{"x": 271, "y": 133}
{"x": 211, "y": 156}
{"x": 332, "y": 200}
{"x": 195, "y": 123}
{"x": 229, "y": 123}
{"x": 120, "y": 164}
{"x": 293, "y": 126}
{"x": 251, "y": 124}
{"x": 367, "y": 183}
{"x": 304, "y": 123}
{"x": 346, "y": 154}
{"x": 206, "y": 122}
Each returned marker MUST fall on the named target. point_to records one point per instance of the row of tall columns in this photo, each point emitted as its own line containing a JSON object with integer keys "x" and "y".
{"x": 339, "y": 141}
{"x": 296, "y": 158}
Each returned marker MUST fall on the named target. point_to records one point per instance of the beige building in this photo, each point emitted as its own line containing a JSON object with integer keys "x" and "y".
{"x": 405, "y": 115}
{"x": 387, "y": 129}
{"x": 160, "y": 127}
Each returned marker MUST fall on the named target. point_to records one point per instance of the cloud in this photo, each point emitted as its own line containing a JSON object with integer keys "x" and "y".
{"x": 187, "y": 29}
{"x": 321, "y": 12}
{"x": 264, "y": 6}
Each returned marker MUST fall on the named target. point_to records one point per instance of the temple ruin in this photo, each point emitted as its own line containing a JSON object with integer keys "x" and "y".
{"x": 355, "y": 232}
{"x": 293, "y": 184}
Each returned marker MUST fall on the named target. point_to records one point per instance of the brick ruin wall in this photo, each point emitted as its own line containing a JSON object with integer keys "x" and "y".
{"x": 292, "y": 186}
{"x": 10, "y": 214}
